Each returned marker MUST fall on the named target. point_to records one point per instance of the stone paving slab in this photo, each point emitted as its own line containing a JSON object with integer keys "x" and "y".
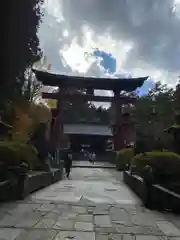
{"x": 146, "y": 237}
{"x": 50, "y": 219}
{"x": 9, "y": 234}
{"x": 168, "y": 228}
{"x": 120, "y": 216}
{"x": 84, "y": 226}
{"x": 75, "y": 235}
{"x": 48, "y": 223}
{"x": 34, "y": 234}
{"x": 102, "y": 220}
{"x": 174, "y": 238}
{"x": 103, "y": 236}
{"x": 85, "y": 219}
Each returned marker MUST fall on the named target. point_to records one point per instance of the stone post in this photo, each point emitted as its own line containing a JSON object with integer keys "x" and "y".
{"x": 148, "y": 184}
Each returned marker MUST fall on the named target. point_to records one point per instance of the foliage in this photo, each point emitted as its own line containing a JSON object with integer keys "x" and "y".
{"x": 5, "y": 130}
{"x": 154, "y": 113}
{"x": 32, "y": 87}
{"x": 20, "y": 47}
{"x": 83, "y": 111}
{"x": 13, "y": 153}
{"x": 165, "y": 165}
{"x": 22, "y": 125}
{"x": 27, "y": 118}
{"x": 124, "y": 157}
{"x": 86, "y": 113}
{"x": 39, "y": 112}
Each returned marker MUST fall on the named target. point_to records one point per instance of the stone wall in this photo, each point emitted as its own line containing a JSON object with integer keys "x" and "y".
{"x": 13, "y": 190}
{"x": 161, "y": 198}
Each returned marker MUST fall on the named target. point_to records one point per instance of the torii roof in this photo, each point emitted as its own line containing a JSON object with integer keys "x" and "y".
{"x": 50, "y": 79}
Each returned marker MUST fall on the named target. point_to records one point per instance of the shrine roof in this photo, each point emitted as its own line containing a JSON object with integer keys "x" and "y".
{"x": 87, "y": 129}
{"x": 50, "y": 79}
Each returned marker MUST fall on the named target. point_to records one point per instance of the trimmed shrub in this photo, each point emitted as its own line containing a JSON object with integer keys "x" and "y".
{"x": 124, "y": 157}
{"x": 14, "y": 153}
{"x": 165, "y": 165}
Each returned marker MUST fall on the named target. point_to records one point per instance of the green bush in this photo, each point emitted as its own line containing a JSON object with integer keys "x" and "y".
{"x": 165, "y": 165}
{"x": 13, "y": 153}
{"x": 124, "y": 157}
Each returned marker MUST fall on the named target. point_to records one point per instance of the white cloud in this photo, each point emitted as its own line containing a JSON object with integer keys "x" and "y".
{"x": 142, "y": 35}
{"x": 54, "y": 9}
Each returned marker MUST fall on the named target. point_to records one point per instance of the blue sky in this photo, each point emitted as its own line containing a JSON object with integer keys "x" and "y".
{"x": 108, "y": 62}
{"x": 149, "y": 84}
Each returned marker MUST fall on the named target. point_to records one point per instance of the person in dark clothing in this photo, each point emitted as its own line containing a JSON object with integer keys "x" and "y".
{"x": 68, "y": 163}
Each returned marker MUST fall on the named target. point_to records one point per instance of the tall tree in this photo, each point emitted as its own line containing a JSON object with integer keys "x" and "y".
{"x": 154, "y": 113}
{"x": 20, "y": 46}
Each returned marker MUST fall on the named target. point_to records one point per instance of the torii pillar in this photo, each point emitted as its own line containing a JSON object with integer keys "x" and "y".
{"x": 123, "y": 127}
{"x": 59, "y": 140}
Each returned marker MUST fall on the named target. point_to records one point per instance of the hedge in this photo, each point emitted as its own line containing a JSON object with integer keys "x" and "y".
{"x": 123, "y": 158}
{"x": 165, "y": 165}
{"x": 13, "y": 153}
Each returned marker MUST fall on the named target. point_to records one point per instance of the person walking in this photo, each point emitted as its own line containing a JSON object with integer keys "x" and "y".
{"x": 68, "y": 163}
{"x": 92, "y": 157}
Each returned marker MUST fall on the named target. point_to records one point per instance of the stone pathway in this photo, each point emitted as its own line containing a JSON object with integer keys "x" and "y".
{"x": 95, "y": 205}
{"x": 87, "y": 164}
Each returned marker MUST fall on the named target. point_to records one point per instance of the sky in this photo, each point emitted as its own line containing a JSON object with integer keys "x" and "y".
{"x": 143, "y": 36}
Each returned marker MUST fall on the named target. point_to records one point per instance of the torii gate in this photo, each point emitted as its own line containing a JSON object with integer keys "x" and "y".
{"x": 122, "y": 127}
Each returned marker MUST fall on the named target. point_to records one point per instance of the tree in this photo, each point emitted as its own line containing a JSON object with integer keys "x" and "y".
{"x": 32, "y": 87}
{"x": 20, "y": 48}
{"x": 154, "y": 113}
{"x": 176, "y": 98}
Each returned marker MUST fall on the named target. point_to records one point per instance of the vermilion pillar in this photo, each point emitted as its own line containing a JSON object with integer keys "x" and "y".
{"x": 117, "y": 121}
{"x": 57, "y": 126}
{"x": 123, "y": 127}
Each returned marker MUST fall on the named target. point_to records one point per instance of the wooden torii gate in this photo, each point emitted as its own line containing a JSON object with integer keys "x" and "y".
{"x": 122, "y": 127}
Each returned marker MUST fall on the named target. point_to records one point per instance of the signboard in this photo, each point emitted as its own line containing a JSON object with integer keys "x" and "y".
{"x": 109, "y": 145}
{"x": 52, "y": 103}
